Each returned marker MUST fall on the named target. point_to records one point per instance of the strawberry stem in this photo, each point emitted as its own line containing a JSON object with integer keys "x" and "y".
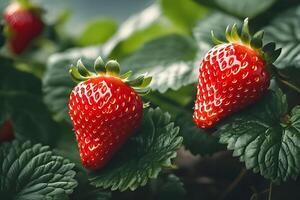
{"x": 283, "y": 79}
{"x": 290, "y": 85}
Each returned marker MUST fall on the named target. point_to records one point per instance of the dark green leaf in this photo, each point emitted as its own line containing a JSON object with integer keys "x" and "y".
{"x": 266, "y": 138}
{"x": 284, "y": 30}
{"x": 32, "y": 172}
{"x": 197, "y": 140}
{"x": 21, "y": 103}
{"x": 86, "y": 191}
{"x": 13, "y": 80}
{"x": 169, "y": 60}
{"x": 167, "y": 187}
{"x": 143, "y": 157}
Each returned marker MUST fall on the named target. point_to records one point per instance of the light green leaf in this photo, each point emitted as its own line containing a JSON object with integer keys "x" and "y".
{"x": 266, "y": 137}
{"x": 184, "y": 13}
{"x": 241, "y": 8}
{"x": 137, "y": 30}
{"x": 21, "y": 103}
{"x": 97, "y": 32}
{"x": 284, "y": 30}
{"x": 169, "y": 60}
{"x": 144, "y": 156}
{"x": 57, "y": 83}
{"x": 32, "y": 172}
{"x": 197, "y": 140}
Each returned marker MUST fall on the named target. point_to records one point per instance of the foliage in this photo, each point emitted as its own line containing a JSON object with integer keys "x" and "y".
{"x": 34, "y": 172}
{"x": 166, "y": 40}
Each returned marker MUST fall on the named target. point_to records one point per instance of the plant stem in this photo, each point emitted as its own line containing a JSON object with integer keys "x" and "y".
{"x": 270, "y": 191}
{"x": 234, "y": 184}
{"x": 290, "y": 85}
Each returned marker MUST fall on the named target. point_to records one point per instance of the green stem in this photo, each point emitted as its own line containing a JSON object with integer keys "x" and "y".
{"x": 283, "y": 79}
{"x": 290, "y": 85}
{"x": 270, "y": 191}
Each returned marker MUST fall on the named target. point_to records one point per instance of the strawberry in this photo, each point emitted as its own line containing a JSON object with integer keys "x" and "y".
{"x": 233, "y": 75}
{"x": 6, "y": 131}
{"x": 23, "y": 24}
{"x": 105, "y": 110}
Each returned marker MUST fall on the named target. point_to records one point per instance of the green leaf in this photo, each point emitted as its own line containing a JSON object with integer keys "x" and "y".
{"x": 241, "y": 8}
{"x": 33, "y": 172}
{"x": 216, "y": 22}
{"x": 167, "y": 187}
{"x": 266, "y": 137}
{"x": 168, "y": 59}
{"x": 283, "y": 30}
{"x": 137, "y": 30}
{"x": 57, "y": 83}
{"x": 86, "y": 191}
{"x": 97, "y": 32}
{"x": 184, "y": 13}
{"x": 143, "y": 157}
{"x": 197, "y": 140}
{"x": 21, "y": 103}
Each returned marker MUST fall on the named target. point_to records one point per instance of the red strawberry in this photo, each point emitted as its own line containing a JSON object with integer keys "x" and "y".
{"x": 105, "y": 110}
{"x": 23, "y": 25}
{"x": 6, "y": 131}
{"x": 232, "y": 75}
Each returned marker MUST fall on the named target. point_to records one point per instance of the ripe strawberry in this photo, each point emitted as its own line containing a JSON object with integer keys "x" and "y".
{"x": 6, "y": 131}
{"x": 232, "y": 75}
{"x": 23, "y": 24}
{"x": 105, "y": 110}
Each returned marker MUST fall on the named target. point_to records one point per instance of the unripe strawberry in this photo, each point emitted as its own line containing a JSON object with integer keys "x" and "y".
{"x": 232, "y": 75}
{"x": 105, "y": 110}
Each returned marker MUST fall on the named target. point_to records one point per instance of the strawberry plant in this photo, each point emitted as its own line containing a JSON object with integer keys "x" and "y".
{"x": 184, "y": 100}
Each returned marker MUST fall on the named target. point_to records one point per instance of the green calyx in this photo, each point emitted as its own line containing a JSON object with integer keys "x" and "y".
{"x": 268, "y": 52}
{"x": 80, "y": 73}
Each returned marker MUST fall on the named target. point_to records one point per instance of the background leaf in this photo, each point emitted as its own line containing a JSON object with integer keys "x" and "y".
{"x": 184, "y": 13}
{"x": 168, "y": 59}
{"x": 216, "y": 22}
{"x": 138, "y": 29}
{"x": 266, "y": 138}
{"x": 284, "y": 30}
{"x": 241, "y": 8}
{"x": 97, "y": 32}
{"x": 32, "y": 172}
{"x": 21, "y": 103}
{"x": 143, "y": 156}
